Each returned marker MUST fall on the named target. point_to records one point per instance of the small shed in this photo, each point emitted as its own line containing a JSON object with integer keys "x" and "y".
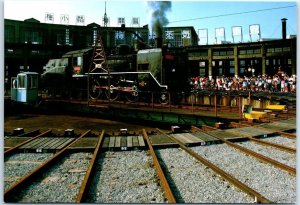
{"x": 24, "y": 87}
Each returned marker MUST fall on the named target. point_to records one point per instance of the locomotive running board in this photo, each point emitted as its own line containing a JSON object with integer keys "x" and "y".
{"x": 122, "y": 73}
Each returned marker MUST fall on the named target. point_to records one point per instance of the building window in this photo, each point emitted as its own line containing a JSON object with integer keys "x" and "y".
{"x": 242, "y": 63}
{"x": 249, "y": 51}
{"x": 59, "y": 38}
{"x": 21, "y": 81}
{"x": 35, "y": 51}
{"x": 94, "y": 36}
{"x": 256, "y": 51}
{"x": 230, "y": 53}
{"x": 67, "y": 38}
{"x": 222, "y": 53}
{"x": 178, "y": 41}
{"x": 202, "y": 64}
{"x": 33, "y": 37}
{"x": 242, "y": 52}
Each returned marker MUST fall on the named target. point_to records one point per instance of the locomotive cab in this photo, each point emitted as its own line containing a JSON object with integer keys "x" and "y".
{"x": 24, "y": 87}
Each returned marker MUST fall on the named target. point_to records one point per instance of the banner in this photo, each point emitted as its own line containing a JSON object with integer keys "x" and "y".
{"x": 220, "y": 32}
{"x": 236, "y": 31}
{"x": 254, "y": 29}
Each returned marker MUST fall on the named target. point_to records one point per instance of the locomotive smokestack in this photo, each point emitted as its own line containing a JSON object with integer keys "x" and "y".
{"x": 283, "y": 28}
{"x": 159, "y": 42}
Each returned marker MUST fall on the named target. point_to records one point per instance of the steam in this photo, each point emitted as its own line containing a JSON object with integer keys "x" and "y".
{"x": 158, "y": 16}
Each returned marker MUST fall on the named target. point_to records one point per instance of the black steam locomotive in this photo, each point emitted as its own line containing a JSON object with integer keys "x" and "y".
{"x": 124, "y": 74}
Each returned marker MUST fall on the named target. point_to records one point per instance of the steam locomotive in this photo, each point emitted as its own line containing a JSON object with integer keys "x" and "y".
{"x": 124, "y": 74}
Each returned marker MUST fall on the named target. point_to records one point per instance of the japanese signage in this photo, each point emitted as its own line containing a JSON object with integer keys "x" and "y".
{"x": 64, "y": 19}
{"x": 186, "y": 34}
{"x": 135, "y": 21}
{"x": 120, "y": 35}
{"x": 169, "y": 35}
{"x": 80, "y": 19}
{"x": 49, "y": 18}
{"x": 121, "y": 20}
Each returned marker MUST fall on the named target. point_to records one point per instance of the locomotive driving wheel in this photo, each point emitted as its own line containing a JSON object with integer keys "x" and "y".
{"x": 133, "y": 95}
{"x": 94, "y": 90}
{"x": 164, "y": 98}
{"x": 112, "y": 93}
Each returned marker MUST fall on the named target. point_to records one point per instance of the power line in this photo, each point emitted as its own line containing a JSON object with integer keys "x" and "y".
{"x": 232, "y": 14}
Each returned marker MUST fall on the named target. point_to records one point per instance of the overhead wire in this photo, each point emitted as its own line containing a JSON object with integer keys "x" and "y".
{"x": 232, "y": 14}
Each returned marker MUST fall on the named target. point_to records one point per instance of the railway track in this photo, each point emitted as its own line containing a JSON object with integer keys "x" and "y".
{"x": 143, "y": 168}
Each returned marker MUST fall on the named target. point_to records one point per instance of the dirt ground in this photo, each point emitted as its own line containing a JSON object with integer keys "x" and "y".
{"x": 59, "y": 123}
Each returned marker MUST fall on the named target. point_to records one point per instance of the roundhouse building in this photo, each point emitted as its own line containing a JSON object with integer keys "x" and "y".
{"x": 255, "y": 58}
{"x": 29, "y": 44}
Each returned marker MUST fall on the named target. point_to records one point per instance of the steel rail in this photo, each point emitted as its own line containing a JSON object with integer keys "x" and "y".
{"x": 11, "y": 150}
{"x": 260, "y": 157}
{"x": 278, "y": 146}
{"x": 9, "y": 193}
{"x": 87, "y": 178}
{"x": 163, "y": 180}
{"x": 257, "y": 196}
{"x": 284, "y": 134}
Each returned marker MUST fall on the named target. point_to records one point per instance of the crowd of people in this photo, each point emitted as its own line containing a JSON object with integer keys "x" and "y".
{"x": 279, "y": 82}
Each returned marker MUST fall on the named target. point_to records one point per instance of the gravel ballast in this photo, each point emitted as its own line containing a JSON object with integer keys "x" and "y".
{"x": 282, "y": 141}
{"x": 271, "y": 152}
{"x": 61, "y": 183}
{"x": 125, "y": 177}
{"x": 273, "y": 183}
{"x": 20, "y": 164}
{"x": 195, "y": 183}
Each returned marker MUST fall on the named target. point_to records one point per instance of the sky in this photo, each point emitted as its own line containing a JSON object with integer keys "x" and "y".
{"x": 210, "y": 15}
